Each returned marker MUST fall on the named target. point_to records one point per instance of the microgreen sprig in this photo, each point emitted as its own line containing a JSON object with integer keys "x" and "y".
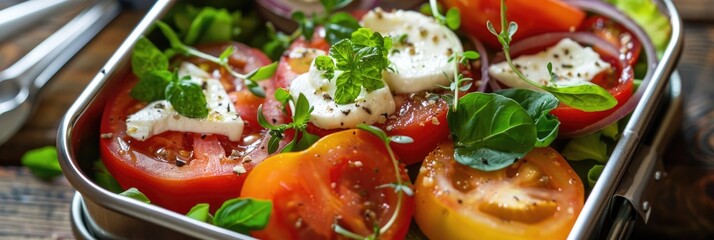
{"x": 301, "y": 116}
{"x": 587, "y": 96}
{"x": 176, "y": 46}
{"x": 452, "y": 20}
{"x": 400, "y": 188}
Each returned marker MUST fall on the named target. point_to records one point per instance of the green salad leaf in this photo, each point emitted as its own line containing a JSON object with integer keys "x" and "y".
{"x": 586, "y": 147}
{"x": 135, "y": 194}
{"x": 538, "y": 105}
{"x": 200, "y": 213}
{"x": 490, "y": 131}
{"x": 647, "y": 14}
{"x": 243, "y": 215}
{"x": 594, "y": 174}
{"x": 42, "y": 162}
{"x": 104, "y": 179}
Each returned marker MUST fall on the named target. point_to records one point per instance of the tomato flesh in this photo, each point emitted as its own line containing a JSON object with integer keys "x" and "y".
{"x": 533, "y": 17}
{"x": 177, "y": 170}
{"x": 539, "y": 197}
{"x": 335, "y": 180}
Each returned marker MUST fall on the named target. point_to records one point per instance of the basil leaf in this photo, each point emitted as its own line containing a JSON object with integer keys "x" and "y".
{"x": 453, "y": 18}
{"x": 263, "y": 72}
{"x": 490, "y": 131}
{"x": 146, "y": 58}
{"x": 340, "y": 26}
{"x": 200, "y": 213}
{"x": 342, "y": 52}
{"x": 152, "y": 86}
{"x": 187, "y": 98}
{"x": 104, "y": 179}
{"x": 135, "y": 194}
{"x": 325, "y": 63}
{"x": 587, "y": 97}
{"x": 210, "y": 25}
{"x": 538, "y": 105}
{"x": 594, "y": 174}
{"x": 612, "y": 131}
{"x": 586, "y": 147}
{"x": 243, "y": 215}
{"x": 42, "y": 162}
{"x": 347, "y": 89}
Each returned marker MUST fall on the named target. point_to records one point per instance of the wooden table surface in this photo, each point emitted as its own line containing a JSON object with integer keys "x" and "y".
{"x": 32, "y": 209}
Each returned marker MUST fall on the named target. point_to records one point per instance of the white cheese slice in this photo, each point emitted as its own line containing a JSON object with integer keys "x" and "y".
{"x": 421, "y": 62}
{"x": 160, "y": 116}
{"x": 572, "y": 63}
{"x": 369, "y": 108}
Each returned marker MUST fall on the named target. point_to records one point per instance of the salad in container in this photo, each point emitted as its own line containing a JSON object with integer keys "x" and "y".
{"x": 455, "y": 119}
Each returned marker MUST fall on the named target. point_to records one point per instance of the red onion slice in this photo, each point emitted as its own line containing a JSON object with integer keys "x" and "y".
{"x": 485, "y": 78}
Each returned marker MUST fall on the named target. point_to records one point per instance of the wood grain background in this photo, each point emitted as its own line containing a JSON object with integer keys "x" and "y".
{"x": 32, "y": 209}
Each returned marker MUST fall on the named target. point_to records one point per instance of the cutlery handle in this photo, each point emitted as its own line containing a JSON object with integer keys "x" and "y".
{"x": 34, "y": 69}
{"x": 19, "y": 17}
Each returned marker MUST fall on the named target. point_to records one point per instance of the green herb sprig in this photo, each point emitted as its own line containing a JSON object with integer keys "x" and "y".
{"x": 361, "y": 60}
{"x": 42, "y": 162}
{"x": 301, "y": 116}
{"x": 460, "y": 83}
{"x": 587, "y": 96}
{"x": 400, "y": 187}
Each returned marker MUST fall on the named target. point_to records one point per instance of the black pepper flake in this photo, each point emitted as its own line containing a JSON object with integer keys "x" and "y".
{"x": 203, "y": 136}
{"x": 484, "y": 161}
{"x": 274, "y": 120}
{"x": 556, "y": 56}
{"x": 567, "y": 65}
{"x": 566, "y": 51}
{"x": 204, "y": 85}
{"x": 597, "y": 64}
{"x": 342, "y": 124}
{"x": 180, "y": 163}
{"x": 159, "y": 106}
{"x": 367, "y": 110}
{"x": 423, "y": 32}
{"x": 326, "y": 97}
{"x": 346, "y": 112}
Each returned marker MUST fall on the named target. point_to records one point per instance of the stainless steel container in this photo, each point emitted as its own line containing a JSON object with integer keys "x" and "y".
{"x": 614, "y": 202}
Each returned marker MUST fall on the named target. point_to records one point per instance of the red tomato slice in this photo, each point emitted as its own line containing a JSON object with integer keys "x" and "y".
{"x": 335, "y": 180}
{"x": 533, "y": 17}
{"x": 617, "y": 35}
{"x": 178, "y": 170}
{"x": 539, "y": 197}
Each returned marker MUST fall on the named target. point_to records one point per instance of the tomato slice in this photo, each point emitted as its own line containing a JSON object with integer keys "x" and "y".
{"x": 176, "y": 170}
{"x": 615, "y": 34}
{"x": 335, "y": 180}
{"x": 533, "y": 17}
{"x": 291, "y": 66}
{"x": 539, "y": 197}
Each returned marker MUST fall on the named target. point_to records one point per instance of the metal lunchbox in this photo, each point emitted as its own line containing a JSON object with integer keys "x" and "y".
{"x": 611, "y": 209}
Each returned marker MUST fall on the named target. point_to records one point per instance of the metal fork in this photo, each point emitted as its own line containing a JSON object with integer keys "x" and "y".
{"x": 20, "y": 83}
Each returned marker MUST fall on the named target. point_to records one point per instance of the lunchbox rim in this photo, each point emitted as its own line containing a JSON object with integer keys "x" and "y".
{"x": 595, "y": 206}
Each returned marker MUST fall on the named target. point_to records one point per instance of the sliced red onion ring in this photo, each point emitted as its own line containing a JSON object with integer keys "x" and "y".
{"x": 485, "y": 78}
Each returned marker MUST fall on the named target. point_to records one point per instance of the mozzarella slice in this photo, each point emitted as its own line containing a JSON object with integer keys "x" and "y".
{"x": 420, "y": 62}
{"x": 369, "y": 108}
{"x": 160, "y": 116}
{"x": 572, "y": 63}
